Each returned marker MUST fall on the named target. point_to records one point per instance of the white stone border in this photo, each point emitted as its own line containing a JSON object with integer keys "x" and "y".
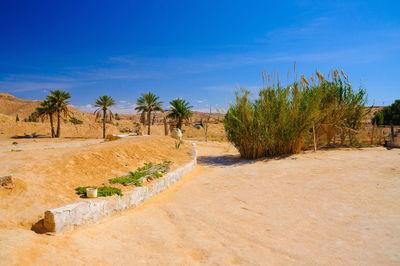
{"x": 91, "y": 211}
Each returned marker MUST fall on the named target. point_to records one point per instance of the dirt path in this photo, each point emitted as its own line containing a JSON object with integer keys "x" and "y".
{"x": 326, "y": 208}
{"x": 49, "y": 145}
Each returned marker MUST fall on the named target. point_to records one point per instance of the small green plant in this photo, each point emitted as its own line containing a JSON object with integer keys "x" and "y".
{"x": 178, "y": 144}
{"x": 32, "y": 118}
{"x": 101, "y": 191}
{"x": 76, "y": 121}
{"x": 149, "y": 172}
{"x": 133, "y": 179}
{"x": 15, "y": 143}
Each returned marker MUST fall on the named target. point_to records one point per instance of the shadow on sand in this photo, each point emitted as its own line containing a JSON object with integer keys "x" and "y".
{"x": 235, "y": 160}
{"x": 223, "y": 160}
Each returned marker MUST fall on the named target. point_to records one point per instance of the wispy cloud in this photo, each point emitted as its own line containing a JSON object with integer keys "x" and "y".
{"x": 124, "y": 107}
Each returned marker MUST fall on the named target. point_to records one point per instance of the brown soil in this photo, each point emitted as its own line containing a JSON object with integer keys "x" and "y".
{"x": 334, "y": 207}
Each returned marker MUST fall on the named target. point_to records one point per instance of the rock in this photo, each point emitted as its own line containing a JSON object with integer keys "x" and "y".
{"x": 176, "y": 133}
{"x": 7, "y": 181}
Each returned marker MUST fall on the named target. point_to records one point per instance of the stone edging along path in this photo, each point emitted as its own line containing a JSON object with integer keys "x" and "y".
{"x": 91, "y": 211}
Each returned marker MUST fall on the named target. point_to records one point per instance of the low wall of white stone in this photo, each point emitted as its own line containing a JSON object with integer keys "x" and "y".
{"x": 91, "y": 211}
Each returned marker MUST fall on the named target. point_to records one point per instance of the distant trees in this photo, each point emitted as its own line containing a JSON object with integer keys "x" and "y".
{"x": 56, "y": 104}
{"x": 180, "y": 110}
{"x": 389, "y": 115}
{"x": 146, "y": 104}
{"x": 45, "y": 111}
{"x": 103, "y": 103}
{"x": 59, "y": 101}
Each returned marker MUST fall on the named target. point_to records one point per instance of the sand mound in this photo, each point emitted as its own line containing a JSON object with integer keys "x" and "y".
{"x": 52, "y": 175}
{"x": 5, "y": 118}
{"x": 6, "y": 95}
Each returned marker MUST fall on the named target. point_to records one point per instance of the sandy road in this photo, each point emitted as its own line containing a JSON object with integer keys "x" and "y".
{"x": 338, "y": 207}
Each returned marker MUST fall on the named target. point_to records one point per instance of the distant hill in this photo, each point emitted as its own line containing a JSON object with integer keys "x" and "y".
{"x": 12, "y": 106}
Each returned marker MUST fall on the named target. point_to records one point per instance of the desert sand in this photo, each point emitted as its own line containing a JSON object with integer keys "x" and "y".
{"x": 47, "y": 171}
{"x": 332, "y": 207}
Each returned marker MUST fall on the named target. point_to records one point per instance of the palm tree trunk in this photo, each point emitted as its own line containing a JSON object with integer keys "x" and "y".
{"x": 58, "y": 125}
{"x": 179, "y": 125}
{"x": 104, "y": 124}
{"x": 51, "y": 125}
{"x": 149, "y": 122}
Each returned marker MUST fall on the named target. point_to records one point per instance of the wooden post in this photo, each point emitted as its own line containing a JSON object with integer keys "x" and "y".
{"x": 372, "y": 134}
{"x": 165, "y": 126}
{"x": 315, "y": 142}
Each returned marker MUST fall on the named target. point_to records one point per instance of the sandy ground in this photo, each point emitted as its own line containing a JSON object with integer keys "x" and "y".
{"x": 336, "y": 207}
{"x": 46, "y": 178}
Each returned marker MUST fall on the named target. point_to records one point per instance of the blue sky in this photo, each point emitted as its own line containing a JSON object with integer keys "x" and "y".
{"x": 198, "y": 50}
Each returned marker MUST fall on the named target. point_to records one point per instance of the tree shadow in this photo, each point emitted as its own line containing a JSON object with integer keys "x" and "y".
{"x": 235, "y": 160}
{"x": 223, "y": 160}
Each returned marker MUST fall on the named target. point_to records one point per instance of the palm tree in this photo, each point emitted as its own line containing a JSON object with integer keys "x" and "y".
{"x": 103, "y": 103}
{"x": 59, "y": 99}
{"x": 47, "y": 110}
{"x": 147, "y": 103}
{"x": 180, "y": 110}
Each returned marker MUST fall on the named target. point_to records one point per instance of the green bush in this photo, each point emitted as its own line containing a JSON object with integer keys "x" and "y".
{"x": 149, "y": 170}
{"x": 75, "y": 121}
{"x": 281, "y": 119}
{"x": 32, "y": 117}
{"x": 389, "y": 115}
{"x": 101, "y": 191}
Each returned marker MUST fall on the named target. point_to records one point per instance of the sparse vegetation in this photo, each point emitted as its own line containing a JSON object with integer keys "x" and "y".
{"x": 178, "y": 144}
{"x": 75, "y": 121}
{"x": 285, "y": 119}
{"x": 32, "y": 117}
{"x": 148, "y": 172}
{"x": 101, "y": 191}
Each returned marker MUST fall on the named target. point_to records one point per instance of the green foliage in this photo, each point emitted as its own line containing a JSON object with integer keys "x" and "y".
{"x": 126, "y": 180}
{"x": 101, "y": 191}
{"x": 57, "y": 103}
{"x": 180, "y": 111}
{"x": 76, "y": 121}
{"x": 178, "y": 144}
{"x": 32, "y": 117}
{"x": 103, "y": 104}
{"x": 389, "y": 115}
{"x": 46, "y": 111}
{"x": 149, "y": 171}
{"x": 280, "y": 120}
{"x": 146, "y": 104}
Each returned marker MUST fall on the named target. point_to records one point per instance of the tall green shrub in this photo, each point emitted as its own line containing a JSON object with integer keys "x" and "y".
{"x": 280, "y": 120}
